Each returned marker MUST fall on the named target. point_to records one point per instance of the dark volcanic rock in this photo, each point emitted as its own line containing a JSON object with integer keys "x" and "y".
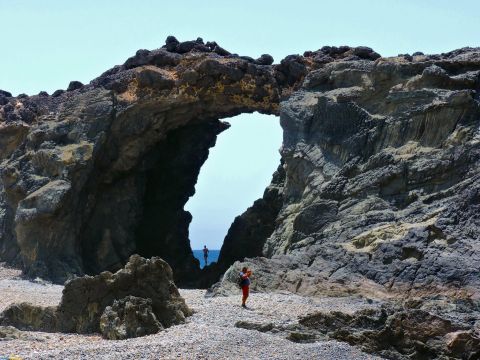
{"x": 91, "y": 176}
{"x": 74, "y": 85}
{"x": 379, "y": 194}
{"x": 129, "y": 317}
{"x": 265, "y": 59}
{"x": 399, "y": 333}
{"x": 85, "y": 299}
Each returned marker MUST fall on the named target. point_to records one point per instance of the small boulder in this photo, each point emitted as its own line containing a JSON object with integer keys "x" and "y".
{"x": 171, "y": 43}
{"x": 185, "y": 47}
{"x": 74, "y": 85}
{"x": 265, "y": 59}
{"x": 365, "y": 52}
{"x": 129, "y": 317}
{"x": 58, "y": 92}
{"x": 5, "y": 93}
{"x": 220, "y": 51}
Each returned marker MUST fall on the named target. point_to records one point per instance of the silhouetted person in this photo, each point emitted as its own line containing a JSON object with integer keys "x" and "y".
{"x": 205, "y": 254}
{"x": 245, "y": 284}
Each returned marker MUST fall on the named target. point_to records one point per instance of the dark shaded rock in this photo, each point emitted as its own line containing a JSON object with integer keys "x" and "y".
{"x": 109, "y": 138}
{"x": 30, "y": 317}
{"x": 154, "y": 79}
{"x": 398, "y": 334}
{"x": 22, "y": 96}
{"x": 380, "y": 159}
{"x": 185, "y": 47}
{"x": 142, "y": 289}
{"x": 171, "y": 43}
{"x": 254, "y": 326}
{"x": 265, "y": 59}
{"x": 300, "y": 337}
{"x": 148, "y": 279}
{"x": 365, "y": 52}
{"x": 291, "y": 70}
{"x": 163, "y": 58}
{"x": 127, "y": 318}
{"x": 74, "y": 85}
{"x": 141, "y": 58}
{"x": 248, "y": 58}
{"x": 5, "y": 93}
{"x": 57, "y": 93}
{"x": 10, "y": 333}
{"x": 418, "y": 53}
{"x": 220, "y": 51}
{"x": 43, "y": 93}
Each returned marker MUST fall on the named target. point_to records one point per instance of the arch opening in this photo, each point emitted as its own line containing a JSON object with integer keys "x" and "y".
{"x": 230, "y": 191}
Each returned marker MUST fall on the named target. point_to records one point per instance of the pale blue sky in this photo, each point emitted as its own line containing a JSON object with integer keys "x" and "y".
{"x": 47, "y": 43}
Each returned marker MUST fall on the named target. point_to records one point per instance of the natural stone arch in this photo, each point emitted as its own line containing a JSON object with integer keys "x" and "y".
{"x": 76, "y": 164}
{"x": 106, "y": 141}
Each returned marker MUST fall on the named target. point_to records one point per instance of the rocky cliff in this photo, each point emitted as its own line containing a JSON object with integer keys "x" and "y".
{"x": 377, "y": 194}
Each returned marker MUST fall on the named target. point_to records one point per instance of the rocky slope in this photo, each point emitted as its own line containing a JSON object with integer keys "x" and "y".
{"x": 381, "y": 198}
{"x": 377, "y": 193}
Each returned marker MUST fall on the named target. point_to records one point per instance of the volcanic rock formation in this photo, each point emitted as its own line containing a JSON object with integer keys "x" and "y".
{"x": 143, "y": 293}
{"x": 377, "y": 194}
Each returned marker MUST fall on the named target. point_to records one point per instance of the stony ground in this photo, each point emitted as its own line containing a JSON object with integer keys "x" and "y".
{"x": 209, "y": 334}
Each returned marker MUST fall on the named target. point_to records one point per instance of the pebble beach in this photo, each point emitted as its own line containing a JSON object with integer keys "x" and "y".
{"x": 209, "y": 334}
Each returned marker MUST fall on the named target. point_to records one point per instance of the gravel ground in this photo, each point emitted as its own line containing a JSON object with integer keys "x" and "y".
{"x": 208, "y": 334}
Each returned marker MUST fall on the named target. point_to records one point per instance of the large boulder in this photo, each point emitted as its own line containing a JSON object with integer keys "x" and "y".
{"x": 84, "y": 300}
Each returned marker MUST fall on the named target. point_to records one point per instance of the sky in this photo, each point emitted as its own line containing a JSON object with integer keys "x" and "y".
{"x": 46, "y": 44}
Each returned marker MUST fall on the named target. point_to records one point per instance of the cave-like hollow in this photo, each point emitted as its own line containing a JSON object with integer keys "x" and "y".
{"x": 142, "y": 210}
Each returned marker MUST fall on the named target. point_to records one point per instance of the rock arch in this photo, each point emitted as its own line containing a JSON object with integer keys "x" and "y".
{"x": 105, "y": 169}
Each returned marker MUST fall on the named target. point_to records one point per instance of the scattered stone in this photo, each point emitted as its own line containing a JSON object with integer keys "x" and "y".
{"x": 5, "y": 93}
{"x": 254, "y": 326}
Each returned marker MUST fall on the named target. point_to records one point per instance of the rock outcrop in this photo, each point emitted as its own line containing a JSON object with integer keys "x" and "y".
{"x": 378, "y": 192}
{"x": 129, "y": 317}
{"x": 108, "y": 166}
{"x": 143, "y": 293}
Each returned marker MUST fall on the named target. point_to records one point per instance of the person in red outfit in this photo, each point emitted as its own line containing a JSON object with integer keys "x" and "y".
{"x": 245, "y": 284}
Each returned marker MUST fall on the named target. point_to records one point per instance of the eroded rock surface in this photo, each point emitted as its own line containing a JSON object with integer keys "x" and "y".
{"x": 377, "y": 194}
{"x": 144, "y": 284}
{"x": 129, "y": 317}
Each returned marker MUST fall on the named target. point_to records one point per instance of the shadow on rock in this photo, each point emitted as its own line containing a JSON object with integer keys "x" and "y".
{"x": 137, "y": 300}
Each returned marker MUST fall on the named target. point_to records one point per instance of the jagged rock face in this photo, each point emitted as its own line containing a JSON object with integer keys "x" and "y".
{"x": 381, "y": 189}
{"x": 377, "y": 191}
{"x": 129, "y": 317}
{"x": 107, "y": 167}
{"x": 142, "y": 293}
{"x": 381, "y": 198}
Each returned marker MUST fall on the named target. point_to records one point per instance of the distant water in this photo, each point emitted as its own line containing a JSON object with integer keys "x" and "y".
{"x": 212, "y": 256}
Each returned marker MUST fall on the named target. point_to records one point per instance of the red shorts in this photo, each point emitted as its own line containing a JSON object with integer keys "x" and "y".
{"x": 245, "y": 290}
